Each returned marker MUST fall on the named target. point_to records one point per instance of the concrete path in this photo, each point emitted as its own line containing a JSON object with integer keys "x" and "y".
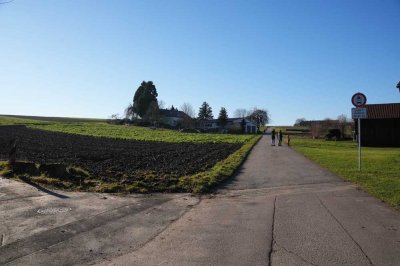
{"x": 281, "y": 209}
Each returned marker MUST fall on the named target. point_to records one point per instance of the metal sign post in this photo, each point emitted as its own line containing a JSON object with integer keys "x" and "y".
{"x": 359, "y": 144}
{"x": 359, "y": 100}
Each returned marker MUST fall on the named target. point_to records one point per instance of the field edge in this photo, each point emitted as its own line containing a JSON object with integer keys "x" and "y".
{"x": 204, "y": 181}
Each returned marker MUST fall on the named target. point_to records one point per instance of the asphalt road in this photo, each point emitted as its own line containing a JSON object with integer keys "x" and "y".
{"x": 281, "y": 209}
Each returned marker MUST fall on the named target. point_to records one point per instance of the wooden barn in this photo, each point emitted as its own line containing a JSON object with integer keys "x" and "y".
{"x": 382, "y": 127}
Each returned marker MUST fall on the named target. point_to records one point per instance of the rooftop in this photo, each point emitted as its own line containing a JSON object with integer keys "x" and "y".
{"x": 383, "y": 111}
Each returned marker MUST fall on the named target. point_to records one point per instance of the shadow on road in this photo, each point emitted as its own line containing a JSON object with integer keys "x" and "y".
{"x": 45, "y": 190}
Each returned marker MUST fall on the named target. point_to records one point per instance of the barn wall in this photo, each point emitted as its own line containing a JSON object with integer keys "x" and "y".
{"x": 380, "y": 132}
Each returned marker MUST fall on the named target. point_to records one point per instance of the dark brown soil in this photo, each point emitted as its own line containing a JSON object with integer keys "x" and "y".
{"x": 111, "y": 159}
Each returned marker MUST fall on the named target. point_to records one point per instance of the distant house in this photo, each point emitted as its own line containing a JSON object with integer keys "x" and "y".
{"x": 249, "y": 126}
{"x": 172, "y": 117}
{"x": 382, "y": 127}
{"x": 233, "y": 124}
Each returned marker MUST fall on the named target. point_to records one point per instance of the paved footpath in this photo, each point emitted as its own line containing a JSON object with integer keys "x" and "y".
{"x": 281, "y": 209}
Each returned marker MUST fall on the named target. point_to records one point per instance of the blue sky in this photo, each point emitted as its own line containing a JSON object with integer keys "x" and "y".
{"x": 294, "y": 58}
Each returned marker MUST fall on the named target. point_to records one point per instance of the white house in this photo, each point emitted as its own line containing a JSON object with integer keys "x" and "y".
{"x": 249, "y": 126}
{"x": 172, "y": 117}
{"x": 234, "y": 124}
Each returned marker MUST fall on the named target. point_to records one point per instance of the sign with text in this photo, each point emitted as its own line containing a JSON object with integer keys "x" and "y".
{"x": 359, "y": 113}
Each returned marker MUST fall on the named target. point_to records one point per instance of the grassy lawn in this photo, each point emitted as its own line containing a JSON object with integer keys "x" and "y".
{"x": 125, "y": 132}
{"x": 6, "y": 120}
{"x": 140, "y": 133}
{"x": 380, "y": 174}
{"x": 41, "y": 119}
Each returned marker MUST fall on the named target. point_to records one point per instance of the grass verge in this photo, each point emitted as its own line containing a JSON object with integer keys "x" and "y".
{"x": 204, "y": 181}
{"x": 380, "y": 175}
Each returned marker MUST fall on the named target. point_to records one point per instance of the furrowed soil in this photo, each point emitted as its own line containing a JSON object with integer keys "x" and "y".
{"x": 143, "y": 165}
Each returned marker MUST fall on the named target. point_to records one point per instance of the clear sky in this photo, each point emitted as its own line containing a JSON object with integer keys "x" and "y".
{"x": 86, "y": 58}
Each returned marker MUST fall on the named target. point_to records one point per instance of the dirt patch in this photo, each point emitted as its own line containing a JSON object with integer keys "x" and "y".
{"x": 153, "y": 165}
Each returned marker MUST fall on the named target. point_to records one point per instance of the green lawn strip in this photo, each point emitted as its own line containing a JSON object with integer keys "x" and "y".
{"x": 204, "y": 181}
{"x": 139, "y": 133}
{"x": 8, "y": 120}
{"x": 380, "y": 175}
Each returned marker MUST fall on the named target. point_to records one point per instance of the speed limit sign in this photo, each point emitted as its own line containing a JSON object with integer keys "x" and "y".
{"x": 359, "y": 99}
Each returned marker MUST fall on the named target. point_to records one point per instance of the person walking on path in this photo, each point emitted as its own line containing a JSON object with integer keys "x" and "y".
{"x": 280, "y": 137}
{"x": 273, "y": 137}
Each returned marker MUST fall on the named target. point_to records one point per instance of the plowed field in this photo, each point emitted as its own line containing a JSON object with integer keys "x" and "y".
{"x": 111, "y": 159}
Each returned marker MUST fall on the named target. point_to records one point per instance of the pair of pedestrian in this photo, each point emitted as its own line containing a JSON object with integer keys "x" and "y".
{"x": 280, "y": 137}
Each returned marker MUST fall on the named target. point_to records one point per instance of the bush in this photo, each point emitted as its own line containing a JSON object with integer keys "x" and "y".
{"x": 333, "y": 134}
{"x": 189, "y": 130}
{"x": 123, "y": 121}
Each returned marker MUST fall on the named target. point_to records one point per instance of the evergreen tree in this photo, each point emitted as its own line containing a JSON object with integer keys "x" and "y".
{"x": 223, "y": 117}
{"x": 205, "y": 112}
{"x": 144, "y": 96}
{"x": 153, "y": 113}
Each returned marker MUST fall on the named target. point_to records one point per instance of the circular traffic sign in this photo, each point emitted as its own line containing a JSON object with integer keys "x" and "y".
{"x": 359, "y": 99}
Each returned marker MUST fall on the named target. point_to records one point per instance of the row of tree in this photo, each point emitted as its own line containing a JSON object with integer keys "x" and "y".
{"x": 145, "y": 106}
{"x": 321, "y": 127}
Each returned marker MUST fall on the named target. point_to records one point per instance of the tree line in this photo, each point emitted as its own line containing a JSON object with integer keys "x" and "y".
{"x": 146, "y": 107}
{"x": 341, "y": 127}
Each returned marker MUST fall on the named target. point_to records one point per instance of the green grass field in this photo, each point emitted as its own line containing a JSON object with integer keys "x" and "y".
{"x": 101, "y": 129}
{"x": 140, "y": 133}
{"x": 380, "y": 175}
{"x": 42, "y": 119}
{"x": 7, "y": 120}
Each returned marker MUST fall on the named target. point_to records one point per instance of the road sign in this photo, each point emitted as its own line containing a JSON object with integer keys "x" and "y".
{"x": 359, "y": 113}
{"x": 359, "y": 99}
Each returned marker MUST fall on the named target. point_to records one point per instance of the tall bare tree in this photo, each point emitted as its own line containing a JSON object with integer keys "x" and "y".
{"x": 187, "y": 121}
{"x": 342, "y": 123}
{"x": 161, "y": 104}
{"x": 315, "y": 129}
{"x": 188, "y": 109}
{"x": 128, "y": 112}
{"x": 240, "y": 113}
{"x": 299, "y": 121}
{"x": 259, "y": 116}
